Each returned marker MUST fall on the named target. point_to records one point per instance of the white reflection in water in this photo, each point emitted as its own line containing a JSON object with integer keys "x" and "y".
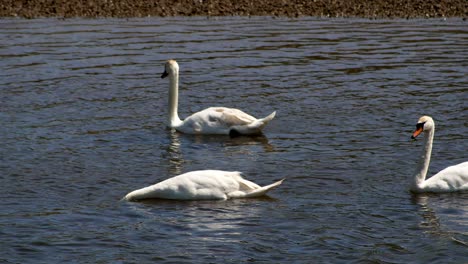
{"x": 445, "y": 215}
{"x": 176, "y": 159}
{"x": 230, "y": 146}
{"x": 222, "y": 221}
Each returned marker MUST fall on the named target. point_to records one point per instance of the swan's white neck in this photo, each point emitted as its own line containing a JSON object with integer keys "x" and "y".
{"x": 173, "y": 119}
{"x": 423, "y": 165}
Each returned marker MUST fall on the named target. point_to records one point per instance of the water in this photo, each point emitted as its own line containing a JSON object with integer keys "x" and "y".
{"x": 82, "y": 124}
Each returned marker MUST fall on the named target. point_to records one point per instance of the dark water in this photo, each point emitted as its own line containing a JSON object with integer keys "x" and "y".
{"x": 82, "y": 123}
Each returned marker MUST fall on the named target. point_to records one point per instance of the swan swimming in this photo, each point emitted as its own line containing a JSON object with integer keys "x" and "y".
{"x": 202, "y": 185}
{"x": 450, "y": 179}
{"x": 213, "y": 120}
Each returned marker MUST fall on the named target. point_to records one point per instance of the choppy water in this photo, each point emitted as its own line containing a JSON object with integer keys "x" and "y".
{"x": 82, "y": 123}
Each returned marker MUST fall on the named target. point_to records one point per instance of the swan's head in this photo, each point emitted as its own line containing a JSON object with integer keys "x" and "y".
{"x": 425, "y": 123}
{"x": 170, "y": 68}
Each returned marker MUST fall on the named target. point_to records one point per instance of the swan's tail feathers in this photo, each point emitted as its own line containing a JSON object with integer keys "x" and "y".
{"x": 263, "y": 190}
{"x": 259, "y": 124}
{"x": 254, "y": 128}
{"x": 267, "y": 119}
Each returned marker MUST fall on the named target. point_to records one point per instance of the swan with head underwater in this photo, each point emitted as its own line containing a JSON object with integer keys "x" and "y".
{"x": 202, "y": 185}
{"x": 213, "y": 120}
{"x": 450, "y": 179}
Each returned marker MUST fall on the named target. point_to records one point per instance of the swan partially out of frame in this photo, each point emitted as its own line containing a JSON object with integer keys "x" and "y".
{"x": 202, "y": 185}
{"x": 450, "y": 179}
{"x": 213, "y": 120}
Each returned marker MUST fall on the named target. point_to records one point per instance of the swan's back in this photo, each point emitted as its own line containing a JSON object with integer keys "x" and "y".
{"x": 202, "y": 185}
{"x": 450, "y": 179}
{"x": 222, "y": 120}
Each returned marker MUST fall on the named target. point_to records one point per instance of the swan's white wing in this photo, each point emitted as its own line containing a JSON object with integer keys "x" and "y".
{"x": 222, "y": 120}
{"x": 256, "y": 192}
{"x": 195, "y": 185}
{"x": 450, "y": 179}
{"x": 222, "y": 116}
{"x": 202, "y": 185}
{"x": 233, "y": 117}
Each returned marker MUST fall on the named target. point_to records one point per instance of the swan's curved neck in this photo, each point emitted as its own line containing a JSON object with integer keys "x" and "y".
{"x": 173, "y": 119}
{"x": 423, "y": 165}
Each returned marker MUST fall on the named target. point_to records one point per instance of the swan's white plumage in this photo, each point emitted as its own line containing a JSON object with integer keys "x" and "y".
{"x": 202, "y": 185}
{"x": 450, "y": 179}
{"x": 213, "y": 120}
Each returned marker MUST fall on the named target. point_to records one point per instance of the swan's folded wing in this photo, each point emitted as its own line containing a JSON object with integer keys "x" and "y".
{"x": 245, "y": 185}
{"x": 234, "y": 117}
{"x": 453, "y": 178}
{"x": 257, "y": 192}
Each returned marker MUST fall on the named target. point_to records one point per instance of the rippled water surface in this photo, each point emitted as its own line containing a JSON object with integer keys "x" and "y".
{"x": 82, "y": 123}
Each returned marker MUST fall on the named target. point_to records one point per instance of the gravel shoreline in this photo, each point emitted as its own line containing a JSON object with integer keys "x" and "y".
{"x": 276, "y": 8}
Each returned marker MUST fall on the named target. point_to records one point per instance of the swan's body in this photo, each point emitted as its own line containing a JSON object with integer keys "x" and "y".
{"x": 213, "y": 120}
{"x": 450, "y": 179}
{"x": 202, "y": 185}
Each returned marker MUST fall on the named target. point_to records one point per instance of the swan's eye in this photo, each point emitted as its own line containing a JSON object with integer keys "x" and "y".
{"x": 420, "y": 125}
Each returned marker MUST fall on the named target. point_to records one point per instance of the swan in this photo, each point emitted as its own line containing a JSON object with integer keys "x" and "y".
{"x": 202, "y": 185}
{"x": 213, "y": 120}
{"x": 450, "y": 179}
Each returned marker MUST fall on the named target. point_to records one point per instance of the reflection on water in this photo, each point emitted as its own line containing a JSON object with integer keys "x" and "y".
{"x": 217, "y": 221}
{"x": 231, "y": 141}
{"x": 82, "y": 124}
{"x": 452, "y": 209}
{"x": 176, "y": 159}
{"x": 241, "y": 145}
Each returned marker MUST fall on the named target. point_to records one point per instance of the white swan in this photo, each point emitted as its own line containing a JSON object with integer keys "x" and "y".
{"x": 213, "y": 120}
{"x": 202, "y": 185}
{"x": 451, "y": 179}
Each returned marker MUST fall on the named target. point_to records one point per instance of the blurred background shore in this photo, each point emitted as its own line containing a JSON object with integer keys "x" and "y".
{"x": 276, "y": 8}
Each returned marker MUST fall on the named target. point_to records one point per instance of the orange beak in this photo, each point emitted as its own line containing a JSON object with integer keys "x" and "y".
{"x": 416, "y": 133}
